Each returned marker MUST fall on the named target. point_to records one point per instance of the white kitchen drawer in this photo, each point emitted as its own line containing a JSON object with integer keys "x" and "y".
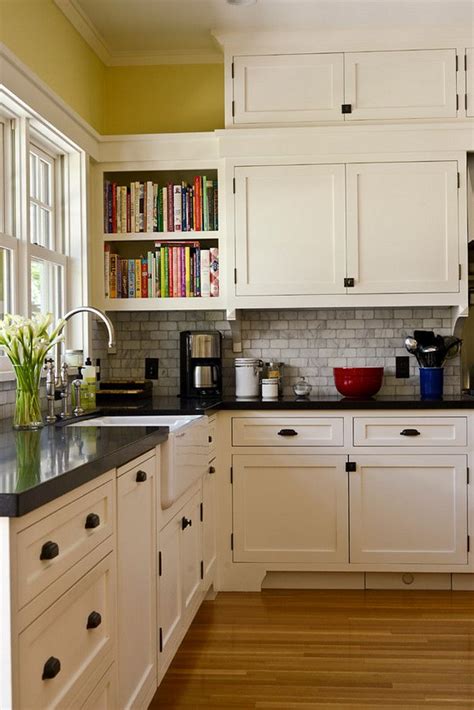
{"x": 61, "y": 634}
{"x": 65, "y": 528}
{"x": 297, "y": 431}
{"x": 104, "y": 695}
{"x": 410, "y": 431}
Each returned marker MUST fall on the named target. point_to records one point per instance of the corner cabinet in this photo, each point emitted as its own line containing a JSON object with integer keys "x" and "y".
{"x": 394, "y": 229}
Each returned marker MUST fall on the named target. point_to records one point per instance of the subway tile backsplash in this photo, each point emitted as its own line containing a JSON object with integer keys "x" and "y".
{"x": 309, "y": 342}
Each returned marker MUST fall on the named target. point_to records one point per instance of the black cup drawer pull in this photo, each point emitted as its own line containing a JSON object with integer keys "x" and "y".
{"x": 92, "y": 521}
{"x": 94, "y": 620}
{"x": 212, "y": 469}
{"x": 141, "y": 477}
{"x": 51, "y": 668}
{"x": 410, "y": 432}
{"x": 49, "y": 551}
{"x": 287, "y": 432}
{"x": 185, "y": 522}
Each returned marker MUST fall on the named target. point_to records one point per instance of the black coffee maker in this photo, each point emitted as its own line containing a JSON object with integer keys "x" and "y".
{"x": 200, "y": 363}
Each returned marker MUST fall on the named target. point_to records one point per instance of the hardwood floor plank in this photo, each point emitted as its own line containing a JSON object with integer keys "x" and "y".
{"x": 342, "y": 649}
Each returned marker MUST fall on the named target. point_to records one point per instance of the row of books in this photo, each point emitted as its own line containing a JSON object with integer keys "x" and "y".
{"x": 172, "y": 270}
{"x": 149, "y": 207}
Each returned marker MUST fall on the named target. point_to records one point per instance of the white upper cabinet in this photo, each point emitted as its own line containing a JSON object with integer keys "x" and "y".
{"x": 284, "y": 89}
{"x": 405, "y": 84}
{"x": 402, "y": 227}
{"x": 470, "y": 82}
{"x": 303, "y": 88}
{"x": 290, "y": 229}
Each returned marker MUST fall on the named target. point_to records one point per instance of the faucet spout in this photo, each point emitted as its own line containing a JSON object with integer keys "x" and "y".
{"x": 100, "y": 314}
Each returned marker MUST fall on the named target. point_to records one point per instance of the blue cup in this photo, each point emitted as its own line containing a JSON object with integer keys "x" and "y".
{"x": 431, "y": 382}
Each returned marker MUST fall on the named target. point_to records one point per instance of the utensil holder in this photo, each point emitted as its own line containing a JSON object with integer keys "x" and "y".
{"x": 431, "y": 382}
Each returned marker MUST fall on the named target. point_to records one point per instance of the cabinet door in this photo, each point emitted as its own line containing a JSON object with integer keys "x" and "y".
{"x": 170, "y": 604}
{"x": 288, "y": 88}
{"x": 404, "y": 84}
{"x": 470, "y": 81}
{"x": 209, "y": 523}
{"x": 290, "y": 230}
{"x": 409, "y": 509}
{"x": 191, "y": 551}
{"x": 136, "y": 583}
{"x": 290, "y": 508}
{"x": 402, "y": 227}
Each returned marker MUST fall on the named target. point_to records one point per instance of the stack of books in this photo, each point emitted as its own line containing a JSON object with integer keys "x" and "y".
{"x": 148, "y": 207}
{"x": 172, "y": 270}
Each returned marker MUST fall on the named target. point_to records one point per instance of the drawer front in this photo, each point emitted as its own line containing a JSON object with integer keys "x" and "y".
{"x": 410, "y": 431}
{"x": 58, "y": 651}
{"x": 270, "y": 431}
{"x": 62, "y": 539}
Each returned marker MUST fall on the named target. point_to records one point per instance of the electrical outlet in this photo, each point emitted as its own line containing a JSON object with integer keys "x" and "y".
{"x": 151, "y": 368}
{"x": 402, "y": 366}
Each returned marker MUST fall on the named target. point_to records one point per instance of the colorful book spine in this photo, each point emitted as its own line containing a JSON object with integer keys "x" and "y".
{"x": 106, "y": 270}
{"x": 177, "y": 208}
{"x": 113, "y": 276}
{"x": 214, "y": 271}
{"x": 204, "y": 273}
{"x": 170, "y": 208}
{"x": 138, "y": 278}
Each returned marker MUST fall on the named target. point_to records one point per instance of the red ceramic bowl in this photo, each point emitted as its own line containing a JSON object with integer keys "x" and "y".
{"x": 358, "y": 382}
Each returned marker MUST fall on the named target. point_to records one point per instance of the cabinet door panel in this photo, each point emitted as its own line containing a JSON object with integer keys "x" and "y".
{"x": 170, "y": 606}
{"x": 191, "y": 552}
{"x": 402, "y": 227}
{"x": 404, "y": 84}
{"x": 290, "y": 508}
{"x": 407, "y": 509}
{"x": 288, "y": 88}
{"x": 290, "y": 230}
{"x": 470, "y": 81}
{"x": 136, "y": 583}
{"x": 209, "y": 524}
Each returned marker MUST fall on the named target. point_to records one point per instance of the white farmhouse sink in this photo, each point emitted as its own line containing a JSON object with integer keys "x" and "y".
{"x": 183, "y": 457}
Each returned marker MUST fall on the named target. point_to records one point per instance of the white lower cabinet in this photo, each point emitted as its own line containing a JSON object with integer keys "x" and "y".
{"x": 409, "y": 509}
{"x": 180, "y": 568}
{"x": 136, "y": 556}
{"x": 290, "y": 508}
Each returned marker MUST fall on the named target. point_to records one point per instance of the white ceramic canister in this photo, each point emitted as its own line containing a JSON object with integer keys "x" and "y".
{"x": 247, "y": 376}
{"x": 270, "y": 388}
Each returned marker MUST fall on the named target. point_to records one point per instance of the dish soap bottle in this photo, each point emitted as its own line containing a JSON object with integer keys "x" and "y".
{"x": 88, "y": 389}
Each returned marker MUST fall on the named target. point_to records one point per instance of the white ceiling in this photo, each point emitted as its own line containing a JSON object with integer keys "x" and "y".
{"x": 154, "y": 31}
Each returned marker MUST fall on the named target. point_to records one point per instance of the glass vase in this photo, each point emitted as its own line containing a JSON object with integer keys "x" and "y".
{"x": 27, "y": 403}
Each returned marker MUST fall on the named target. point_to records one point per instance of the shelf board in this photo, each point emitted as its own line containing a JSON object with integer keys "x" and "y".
{"x": 164, "y": 304}
{"x": 160, "y": 236}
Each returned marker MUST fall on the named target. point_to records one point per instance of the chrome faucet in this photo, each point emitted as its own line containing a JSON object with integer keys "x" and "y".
{"x": 61, "y": 381}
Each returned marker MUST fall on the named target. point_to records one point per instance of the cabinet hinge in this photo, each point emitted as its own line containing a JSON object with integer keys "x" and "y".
{"x": 349, "y": 283}
{"x": 346, "y": 108}
{"x": 201, "y": 512}
{"x": 457, "y": 102}
{"x": 161, "y": 640}
{"x": 233, "y": 185}
{"x": 160, "y": 564}
{"x": 202, "y": 569}
{"x": 468, "y": 475}
{"x": 465, "y": 62}
{"x": 459, "y": 180}
{"x": 233, "y": 108}
{"x": 232, "y": 68}
{"x": 351, "y": 466}
{"x": 468, "y": 543}
{"x": 465, "y": 101}
{"x": 235, "y": 276}
{"x": 231, "y": 475}
{"x": 457, "y": 64}
{"x": 232, "y": 541}
{"x": 460, "y": 271}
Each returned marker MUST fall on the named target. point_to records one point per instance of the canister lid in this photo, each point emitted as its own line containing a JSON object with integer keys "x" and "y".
{"x": 249, "y": 361}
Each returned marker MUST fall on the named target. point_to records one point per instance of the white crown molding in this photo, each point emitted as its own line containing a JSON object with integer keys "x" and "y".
{"x": 19, "y": 83}
{"x": 111, "y": 58}
{"x": 81, "y": 22}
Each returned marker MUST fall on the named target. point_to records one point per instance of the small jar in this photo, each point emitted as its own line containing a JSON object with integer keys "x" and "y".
{"x": 270, "y": 388}
{"x": 302, "y": 388}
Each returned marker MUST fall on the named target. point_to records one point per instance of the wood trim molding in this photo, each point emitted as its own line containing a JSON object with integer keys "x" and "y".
{"x": 80, "y": 21}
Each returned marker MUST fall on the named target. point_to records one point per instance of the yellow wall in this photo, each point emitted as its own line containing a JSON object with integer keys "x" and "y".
{"x": 164, "y": 98}
{"x": 39, "y": 34}
{"x": 116, "y": 100}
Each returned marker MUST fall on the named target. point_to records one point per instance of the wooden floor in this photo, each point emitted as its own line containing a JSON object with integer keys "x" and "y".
{"x": 326, "y": 649}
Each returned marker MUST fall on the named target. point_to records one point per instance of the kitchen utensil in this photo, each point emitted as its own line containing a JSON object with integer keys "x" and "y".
{"x": 412, "y": 346}
{"x": 359, "y": 382}
{"x": 302, "y": 388}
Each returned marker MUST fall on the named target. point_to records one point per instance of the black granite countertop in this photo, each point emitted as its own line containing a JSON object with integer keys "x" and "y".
{"x": 39, "y": 466}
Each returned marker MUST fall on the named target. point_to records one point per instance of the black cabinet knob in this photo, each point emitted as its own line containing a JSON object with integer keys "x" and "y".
{"x": 92, "y": 521}
{"x": 141, "y": 477}
{"x": 210, "y": 439}
{"x": 185, "y": 522}
{"x": 94, "y": 620}
{"x": 212, "y": 469}
{"x": 287, "y": 432}
{"x": 49, "y": 551}
{"x": 51, "y": 668}
{"x": 410, "y": 432}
